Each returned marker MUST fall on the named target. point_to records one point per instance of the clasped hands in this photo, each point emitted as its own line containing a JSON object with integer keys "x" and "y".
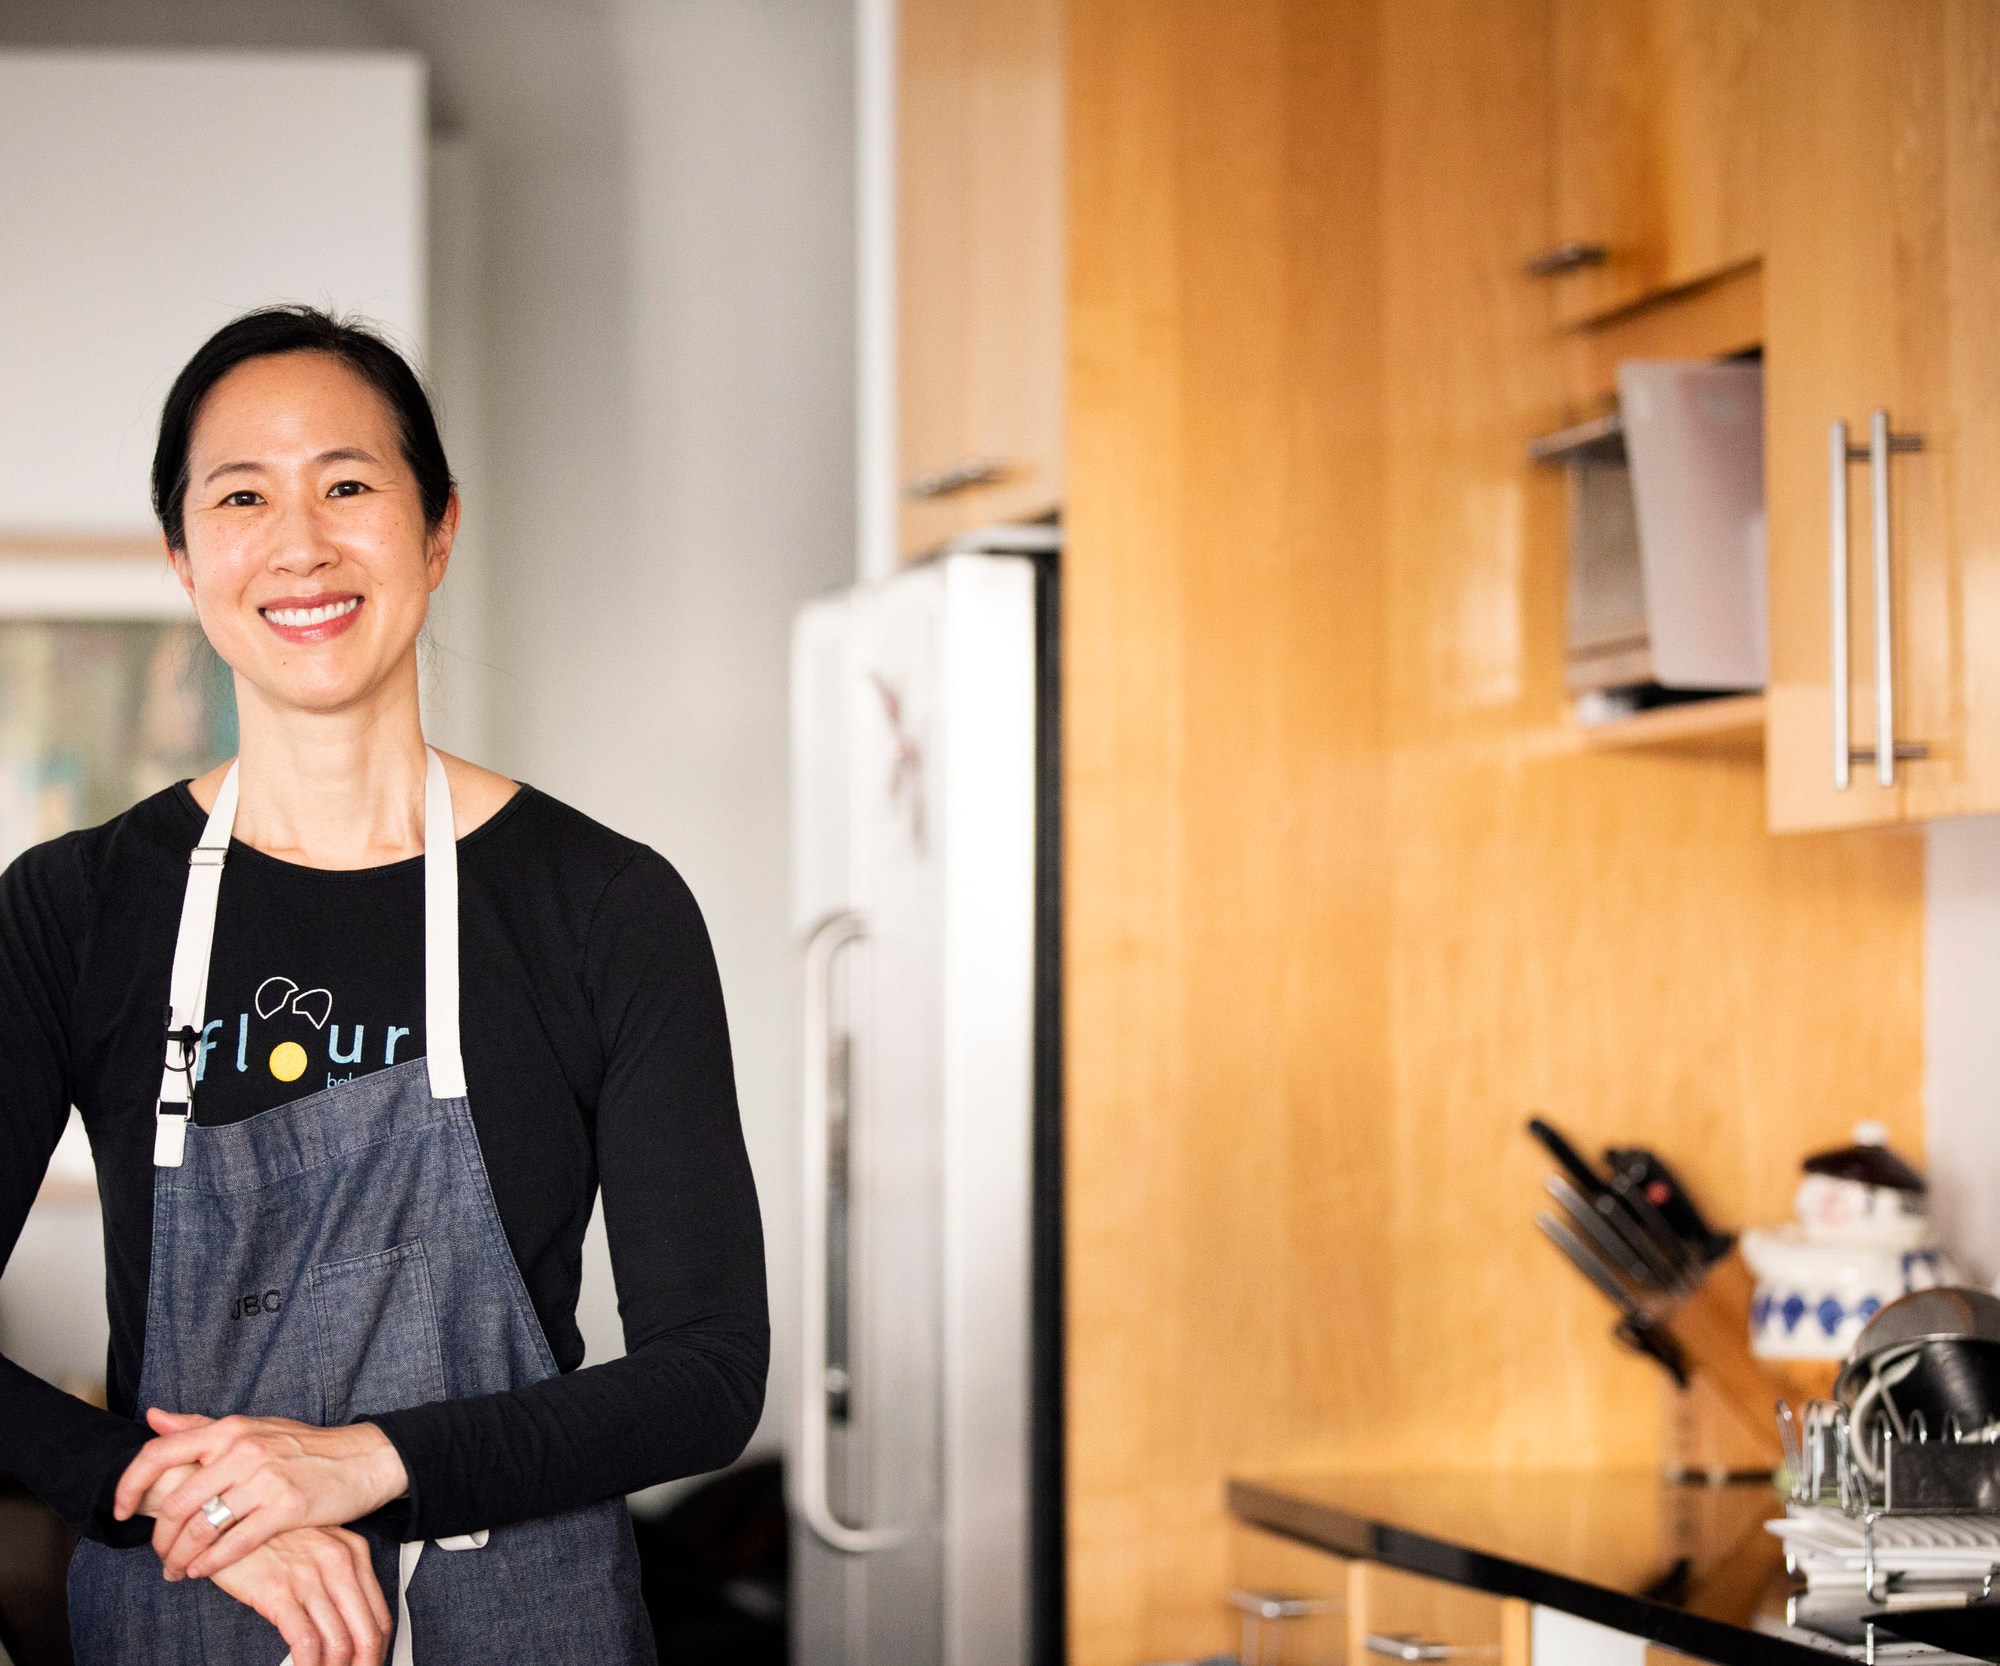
{"x": 281, "y": 1549}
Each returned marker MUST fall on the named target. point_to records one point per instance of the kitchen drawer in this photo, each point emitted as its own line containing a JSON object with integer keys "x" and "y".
{"x": 1403, "y": 1616}
{"x": 1290, "y": 1600}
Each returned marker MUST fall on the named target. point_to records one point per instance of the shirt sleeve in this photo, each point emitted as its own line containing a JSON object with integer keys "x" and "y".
{"x": 66, "y": 1451}
{"x": 687, "y": 1252}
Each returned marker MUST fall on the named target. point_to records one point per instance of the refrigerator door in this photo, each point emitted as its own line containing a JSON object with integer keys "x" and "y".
{"x": 913, "y": 714}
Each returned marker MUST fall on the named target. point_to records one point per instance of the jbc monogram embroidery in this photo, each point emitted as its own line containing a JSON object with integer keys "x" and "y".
{"x": 253, "y": 1304}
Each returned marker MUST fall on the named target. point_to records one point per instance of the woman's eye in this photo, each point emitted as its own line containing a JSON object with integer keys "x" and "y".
{"x": 242, "y": 500}
{"x": 346, "y": 488}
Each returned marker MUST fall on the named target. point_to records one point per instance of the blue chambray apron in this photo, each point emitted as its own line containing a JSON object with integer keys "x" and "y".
{"x": 361, "y": 1219}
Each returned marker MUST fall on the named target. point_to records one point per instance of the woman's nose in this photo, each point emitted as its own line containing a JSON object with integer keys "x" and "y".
{"x": 301, "y": 545}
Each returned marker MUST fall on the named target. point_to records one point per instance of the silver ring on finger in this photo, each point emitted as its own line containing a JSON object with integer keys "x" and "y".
{"x": 219, "y": 1514}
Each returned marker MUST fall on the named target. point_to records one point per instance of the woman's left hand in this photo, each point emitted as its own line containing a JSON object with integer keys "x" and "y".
{"x": 272, "y": 1473}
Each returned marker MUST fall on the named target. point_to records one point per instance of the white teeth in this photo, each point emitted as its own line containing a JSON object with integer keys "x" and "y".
{"x": 296, "y": 618}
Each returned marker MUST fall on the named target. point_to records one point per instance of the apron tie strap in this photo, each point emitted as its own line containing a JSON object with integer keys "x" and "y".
{"x": 407, "y": 1556}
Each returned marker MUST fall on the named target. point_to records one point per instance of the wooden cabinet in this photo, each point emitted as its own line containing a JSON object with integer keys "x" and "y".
{"x": 1656, "y": 117}
{"x": 1288, "y": 1600}
{"x": 979, "y": 265}
{"x": 1882, "y": 293}
{"x": 1388, "y": 1607}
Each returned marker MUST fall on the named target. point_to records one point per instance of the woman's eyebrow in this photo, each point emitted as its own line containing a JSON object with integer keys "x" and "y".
{"x": 340, "y": 454}
{"x": 220, "y": 470}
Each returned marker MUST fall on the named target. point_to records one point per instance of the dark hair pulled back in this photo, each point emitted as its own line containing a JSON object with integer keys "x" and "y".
{"x": 297, "y": 329}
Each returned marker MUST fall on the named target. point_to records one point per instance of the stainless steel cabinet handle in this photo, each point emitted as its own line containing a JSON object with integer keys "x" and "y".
{"x": 1275, "y": 1605}
{"x": 1836, "y": 512}
{"x": 1882, "y": 443}
{"x": 1409, "y": 1647}
{"x": 960, "y": 477}
{"x": 815, "y": 1506}
{"x": 1264, "y": 1612}
{"x": 1565, "y": 257}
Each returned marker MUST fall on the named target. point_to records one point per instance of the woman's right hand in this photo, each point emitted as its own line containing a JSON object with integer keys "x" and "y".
{"x": 317, "y": 1586}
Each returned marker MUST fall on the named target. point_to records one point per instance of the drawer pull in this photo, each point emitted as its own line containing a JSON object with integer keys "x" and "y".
{"x": 1264, "y": 1612}
{"x": 1275, "y": 1605}
{"x": 960, "y": 477}
{"x": 1408, "y": 1646}
{"x": 1551, "y": 263}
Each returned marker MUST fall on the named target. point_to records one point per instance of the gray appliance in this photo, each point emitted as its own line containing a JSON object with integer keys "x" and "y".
{"x": 925, "y": 1470}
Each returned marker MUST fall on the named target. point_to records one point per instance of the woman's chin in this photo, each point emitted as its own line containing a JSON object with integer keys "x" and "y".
{"x": 327, "y": 689}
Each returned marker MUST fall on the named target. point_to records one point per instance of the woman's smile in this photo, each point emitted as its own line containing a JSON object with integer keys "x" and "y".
{"x": 308, "y": 619}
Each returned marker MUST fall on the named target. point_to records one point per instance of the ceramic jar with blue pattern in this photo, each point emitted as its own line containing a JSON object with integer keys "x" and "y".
{"x": 1861, "y": 1238}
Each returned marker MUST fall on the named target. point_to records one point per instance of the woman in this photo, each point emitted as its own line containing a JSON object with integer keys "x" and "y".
{"x": 410, "y": 1023}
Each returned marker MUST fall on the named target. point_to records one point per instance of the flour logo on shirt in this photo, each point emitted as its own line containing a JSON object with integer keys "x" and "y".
{"x": 286, "y": 1027}
{"x": 277, "y": 995}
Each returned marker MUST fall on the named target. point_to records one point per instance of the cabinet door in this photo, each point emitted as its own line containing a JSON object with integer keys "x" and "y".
{"x": 1882, "y": 293}
{"x": 1656, "y": 109}
{"x": 1391, "y": 1611}
{"x": 979, "y": 265}
{"x": 1289, "y": 1601}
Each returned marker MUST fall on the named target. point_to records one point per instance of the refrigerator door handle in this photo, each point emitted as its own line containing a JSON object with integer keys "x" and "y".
{"x": 812, "y": 1493}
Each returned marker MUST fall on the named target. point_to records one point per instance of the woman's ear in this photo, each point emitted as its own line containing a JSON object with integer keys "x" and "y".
{"x": 183, "y": 568}
{"x": 437, "y": 546}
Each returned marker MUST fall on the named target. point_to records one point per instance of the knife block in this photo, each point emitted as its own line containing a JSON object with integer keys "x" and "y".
{"x": 1724, "y": 1422}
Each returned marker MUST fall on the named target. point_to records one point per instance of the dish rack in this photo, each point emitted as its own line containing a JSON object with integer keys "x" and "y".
{"x": 1908, "y": 1523}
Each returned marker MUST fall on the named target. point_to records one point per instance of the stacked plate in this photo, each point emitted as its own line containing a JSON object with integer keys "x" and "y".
{"x": 1923, "y": 1561}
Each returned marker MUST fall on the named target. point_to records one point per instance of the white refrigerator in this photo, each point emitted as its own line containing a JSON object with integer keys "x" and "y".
{"x": 925, "y": 1472}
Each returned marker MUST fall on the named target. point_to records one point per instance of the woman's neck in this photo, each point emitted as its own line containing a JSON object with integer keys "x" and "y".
{"x": 331, "y": 789}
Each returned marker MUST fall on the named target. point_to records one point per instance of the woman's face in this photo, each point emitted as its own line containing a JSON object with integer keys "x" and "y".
{"x": 307, "y": 556}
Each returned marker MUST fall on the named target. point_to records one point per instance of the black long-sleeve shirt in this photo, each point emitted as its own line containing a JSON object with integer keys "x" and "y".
{"x": 596, "y": 1053}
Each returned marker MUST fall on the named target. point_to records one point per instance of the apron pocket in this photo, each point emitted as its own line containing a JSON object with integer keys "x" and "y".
{"x": 377, "y": 1329}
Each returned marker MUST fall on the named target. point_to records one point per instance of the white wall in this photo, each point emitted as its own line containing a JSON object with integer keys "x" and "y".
{"x": 1962, "y": 1036}
{"x": 659, "y": 403}
{"x": 305, "y": 178}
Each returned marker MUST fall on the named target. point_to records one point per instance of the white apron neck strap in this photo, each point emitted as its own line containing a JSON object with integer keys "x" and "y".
{"x": 447, "y": 1064}
{"x": 187, "y": 984}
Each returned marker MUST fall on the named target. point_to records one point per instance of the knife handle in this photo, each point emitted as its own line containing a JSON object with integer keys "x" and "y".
{"x": 1572, "y": 1160}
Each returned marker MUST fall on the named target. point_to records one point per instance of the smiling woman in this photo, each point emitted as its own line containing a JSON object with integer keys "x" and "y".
{"x": 428, "y": 1016}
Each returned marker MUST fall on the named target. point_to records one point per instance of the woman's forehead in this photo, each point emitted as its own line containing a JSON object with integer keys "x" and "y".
{"x": 293, "y": 401}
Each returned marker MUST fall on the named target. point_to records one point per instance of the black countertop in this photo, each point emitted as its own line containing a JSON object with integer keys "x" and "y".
{"x": 1687, "y": 1567}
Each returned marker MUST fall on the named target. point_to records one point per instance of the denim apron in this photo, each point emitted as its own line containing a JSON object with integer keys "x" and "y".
{"x": 334, "y": 1257}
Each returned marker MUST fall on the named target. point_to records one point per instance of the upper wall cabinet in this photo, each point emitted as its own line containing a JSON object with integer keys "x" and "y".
{"x": 149, "y": 197}
{"x": 1882, "y": 297}
{"x": 1657, "y": 182}
{"x": 979, "y": 265}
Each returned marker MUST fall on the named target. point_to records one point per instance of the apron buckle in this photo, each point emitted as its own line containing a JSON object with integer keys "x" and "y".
{"x": 170, "y": 1137}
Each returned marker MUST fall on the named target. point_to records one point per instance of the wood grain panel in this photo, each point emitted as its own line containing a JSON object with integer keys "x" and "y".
{"x": 1657, "y": 121}
{"x": 1387, "y": 1602}
{"x": 1225, "y": 1059}
{"x": 1346, "y": 899}
{"x": 1884, "y": 146}
{"x": 979, "y": 307}
{"x": 1270, "y": 1563}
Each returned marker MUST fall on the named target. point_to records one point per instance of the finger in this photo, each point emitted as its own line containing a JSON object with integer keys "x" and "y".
{"x": 339, "y": 1646}
{"x": 166, "y": 1422}
{"x": 254, "y": 1528}
{"x": 157, "y": 1456}
{"x": 364, "y": 1624}
{"x": 364, "y": 1569}
{"x": 231, "y": 1474}
{"x": 296, "y": 1626}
